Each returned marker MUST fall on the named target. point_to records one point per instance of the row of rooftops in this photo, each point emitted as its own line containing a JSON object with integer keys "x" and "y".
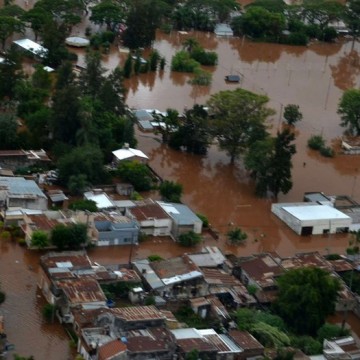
{"x": 79, "y": 278}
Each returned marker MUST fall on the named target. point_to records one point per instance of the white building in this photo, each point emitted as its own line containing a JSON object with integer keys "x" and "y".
{"x": 311, "y": 218}
{"x": 127, "y": 153}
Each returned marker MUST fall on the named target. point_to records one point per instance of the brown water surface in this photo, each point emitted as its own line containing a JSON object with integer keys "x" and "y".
{"x": 313, "y": 77}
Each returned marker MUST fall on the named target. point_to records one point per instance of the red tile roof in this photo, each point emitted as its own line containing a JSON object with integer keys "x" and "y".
{"x": 111, "y": 349}
{"x": 42, "y": 222}
{"x": 77, "y": 259}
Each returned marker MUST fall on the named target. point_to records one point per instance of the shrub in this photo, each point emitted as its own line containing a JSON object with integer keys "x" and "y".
{"x": 307, "y": 344}
{"x": 313, "y": 31}
{"x": 202, "y": 78}
{"x": 329, "y": 34}
{"x": 182, "y": 62}
{"x": 236, "y": 236}
{"x": 316, "y": 142}
{"x": 5, "y": 235}
{"x": 155, "y": 257}
{"x": 48, "y": 312}
{"x": 204, "y": 219}
{"x": 136, "y": 173}
{"x": 84, "y": 204}
{"x": 189, "y": 239}
{"x": 207, "y": 58}
{"x": 330, "y": 331}
{"x": 327, "y": 151}
{"x": 39, "y": 239}
{"x": 297, "y": 38}
{"x": 150, "y": 300}
{"x": 171, "y": 191}
{"x": 333, "y": 257}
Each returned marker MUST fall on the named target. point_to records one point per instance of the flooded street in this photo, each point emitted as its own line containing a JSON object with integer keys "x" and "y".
{"x": 313, "y": 77}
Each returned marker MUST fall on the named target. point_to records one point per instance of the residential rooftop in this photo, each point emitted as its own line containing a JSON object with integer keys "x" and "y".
{"x": 245, "y": 340}
{"x": 138, "y": 313}
{"x": 181, "y": 213}
{"x": 148, "y": 211}
{"x": 210, "y": 256}
{"x": 111, "y": 349}
{"x": 79, "y": 291}
{"x": 313, "y": 259}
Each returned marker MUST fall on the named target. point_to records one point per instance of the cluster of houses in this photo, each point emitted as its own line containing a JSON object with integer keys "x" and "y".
{"x": 211, "y": 284}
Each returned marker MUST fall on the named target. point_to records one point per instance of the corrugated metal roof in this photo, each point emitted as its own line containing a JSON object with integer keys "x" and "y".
{"x": 21, "y": 186}
{"x": 181, "y": 213}
{"x": 123, "y": 154}
{"x": 31, "y": 46}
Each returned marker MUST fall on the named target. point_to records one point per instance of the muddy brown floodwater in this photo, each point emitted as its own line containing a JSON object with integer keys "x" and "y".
{"x": 313, "y": 77}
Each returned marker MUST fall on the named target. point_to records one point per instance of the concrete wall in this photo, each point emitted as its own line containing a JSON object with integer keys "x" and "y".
{"x": 156, "y": 227}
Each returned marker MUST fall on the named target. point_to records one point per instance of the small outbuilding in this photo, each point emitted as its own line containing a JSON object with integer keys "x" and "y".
{"x": 32, "y": 47}
{"x": 310, "y": 218}
{"x": 128, "y": 153}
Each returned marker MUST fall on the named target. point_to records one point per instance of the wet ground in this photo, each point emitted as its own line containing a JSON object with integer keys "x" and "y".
{"x": 313, "y": 77}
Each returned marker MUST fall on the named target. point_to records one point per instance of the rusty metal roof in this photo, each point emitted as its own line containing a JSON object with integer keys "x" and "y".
{"x": 81, "y": 291}
{"x": 245, "y": 340}
{"x": 138, "y": 313}
{"x": 111, "y": 349}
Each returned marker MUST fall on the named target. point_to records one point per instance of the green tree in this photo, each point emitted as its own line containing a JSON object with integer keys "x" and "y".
{"x": 322, "y": 12}
{"x": 171, "y": 191}
{"x": 69, "y": 237}
{"x": 107, "y": 12}
{"x": 331, "y": 331}
{"x": 8, "y": 26}
{"x": 349, "y": 110}
{"x": 84, "y": 204}
{"x": 48, "y": 312}
{"x": 236, "y": 236}
{"x": 10, "y": 73}
{"x": 35, "y": 18}
{"x": 292, "y": 114}
{"x": 8, "y": 131}
{"x": 261, "y": 23}
{"x": 86, "y": 160}
{"x": 143, "y": 18}
{"x": 168, "y": 124}
{"x": 307, "y": 344}
{"x": 189, "y": 239}
{"x": 279, "y": 176}
{"x": 77, "y": 184}
{"x": 351, "y": 17}
{"x": 66, "y": 119}
{"x": 269, "y": 160}
{"x": 306, "y": 297}
{"x": 316, "y": 142}
{"x": 238, "y": 119}
{"x": 276, "y": 6}
{"x": 136, "y": 173}
{"x": 39, "y": 239}
{"x": 128, "y": 66}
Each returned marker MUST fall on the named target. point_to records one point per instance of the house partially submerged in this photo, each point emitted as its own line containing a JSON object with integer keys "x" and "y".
{"x": 175, "y": 278}
{"x": 311, "y": 218}
{"x": 183, "y": 219}
{"x": 113, "y": 229}
{"x": 19, "y": 193}
{"x": 128, "y": 153}
{"x": 261, "y": 271}
{"x": 152, "y": 218}
{"x": 341, "y": 348}
{"x": 13, "y": 159}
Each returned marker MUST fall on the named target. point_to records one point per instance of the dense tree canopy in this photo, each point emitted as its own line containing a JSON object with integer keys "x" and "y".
{"x": 349, "y": 110}
{"x": 306, "y": 297}
{"x": 238, "y": 119}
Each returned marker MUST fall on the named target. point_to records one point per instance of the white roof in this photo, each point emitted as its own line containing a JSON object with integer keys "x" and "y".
{"x": 315, "y": 212}
{"x": 102, "y": 200}
{"x": 186, "y": 333}
{"x": 31, "y": 46}
{"x": 123, "y": 154}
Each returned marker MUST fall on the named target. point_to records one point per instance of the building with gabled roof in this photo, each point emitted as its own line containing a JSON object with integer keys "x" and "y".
{"x": 113, "y": 350}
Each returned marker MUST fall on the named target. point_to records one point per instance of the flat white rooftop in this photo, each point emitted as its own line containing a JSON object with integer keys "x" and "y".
{"x": 123, "y": 154}
{"x": 315, "y": 212}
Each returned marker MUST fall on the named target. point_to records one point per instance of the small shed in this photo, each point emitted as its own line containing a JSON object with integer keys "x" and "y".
{"x": 128, "y": 153}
